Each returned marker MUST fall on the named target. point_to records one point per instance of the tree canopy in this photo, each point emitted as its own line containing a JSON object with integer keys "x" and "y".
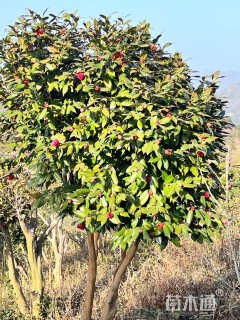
{"x": 112, "y": 128}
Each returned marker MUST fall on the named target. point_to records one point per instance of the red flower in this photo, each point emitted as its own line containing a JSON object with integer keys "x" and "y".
{"x": 207, "y": 195}
{"x": 97, "y": 88}
{"x": 86, "y": 146}
{"x": 99, "y": 58}
{"x": 150, "y": 193}
{"x": 160, "y": 225}
{"x": 169, "y": 114}
{"x": 118, "y": 70}
{"x": 39, "y": 31}
{"x": 148, "y": 179}
{"x": 142, "y": 59}
{"x": 55, "y": 143}
{"x": 70, "y": 201}
{"x": 118, "y": 55}
{"x": 25, "y": 82}
{"x": 62, "y": 31}
{"x": 121, "y": 63}
{"x": 135, "y": 137}
{"x": 81, "y": 226}
{"x": 200, "y": 154}
{"x": 168, "y": 152}
{"x": 10, "y": 177}
{"x": 109, "y": 215}
{"x": 153, "y": 47}
{"x": 80, "y": 76}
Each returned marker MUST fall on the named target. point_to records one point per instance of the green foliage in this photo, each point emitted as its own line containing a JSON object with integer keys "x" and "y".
{"x": 109, "y": 122}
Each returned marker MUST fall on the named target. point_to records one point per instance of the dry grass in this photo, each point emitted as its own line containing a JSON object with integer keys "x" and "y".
{"x": 190, "y": 270}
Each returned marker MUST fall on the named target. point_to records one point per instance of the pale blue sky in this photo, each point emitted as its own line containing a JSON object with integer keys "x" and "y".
{"x": 206, "y": 32}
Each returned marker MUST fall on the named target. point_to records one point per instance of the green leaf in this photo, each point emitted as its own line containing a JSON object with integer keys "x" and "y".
{"x": 65, "y": 89}
{"x": 127, "y": 103}
{"x": 164, "y": 120}
{"x": 43, "y": 114}
{"x": 166, "y": 230}
{"x": 114, "y": 176}
{"x": 176, "y": 241}
{"x": 115, "y": 220}
{"x": 144, "y": 197}
{"x": 194, "y": 171}
{"x": 189, "y": 217}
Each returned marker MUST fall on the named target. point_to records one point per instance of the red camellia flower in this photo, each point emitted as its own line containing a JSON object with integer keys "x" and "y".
{"x": 10, "y": 177}
{"x": 118, "y": 70}
{"x": 80, "y": 76}
{"x": 25, "y": 82}
{"x": 142, "y": 59}
{"x": 118, "y": 55}
{"x": 168, "y": 152}
{"x": 150, "y": 193}
{"x": 207, "y": 195}
{"x": 200, "y": 154}
{"x": 39, "y": 31}
{"x": 81, "y": 226}
{"x": 109, "y": 215}
{"x": 70, "y": 201}
{"x": 153, "y": 47}
{"x": 169, "y": 114}
{"x": 86, "y": 146}
{"x": 55, "y": 143}
{"x": 135, "y": 137}
{"x": 99, "y": 58}
{"x": 148, "y": 178}
{"x": 97, "y": 88}
{"x": 160, "y": 225}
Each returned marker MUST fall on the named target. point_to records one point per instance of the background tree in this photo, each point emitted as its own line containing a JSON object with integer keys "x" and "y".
{"x": 114, "y": 132}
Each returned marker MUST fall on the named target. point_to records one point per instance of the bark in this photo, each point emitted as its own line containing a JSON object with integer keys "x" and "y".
{"x": 58, "y": 243}
{"x": 91, "y": 276}
{"x": 13, "y": 275}
{"x": 110, "y": 308}
{"x": 35, "y": 262}
{"x": 34, "y": 256}
{"x": 2, "y": 262}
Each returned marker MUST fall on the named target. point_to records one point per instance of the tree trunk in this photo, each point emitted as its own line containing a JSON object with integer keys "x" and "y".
{"x": 35, "y": 263}
{"x": 110, "y": 308}
{"x": 58, "y": 241}
{"x": 91, "y": 276}
{"x": 13, "y": 276}
{"x": 1, "y": 253}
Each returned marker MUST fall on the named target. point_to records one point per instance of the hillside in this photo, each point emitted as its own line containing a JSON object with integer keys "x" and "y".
{"x": 232, "y": 95}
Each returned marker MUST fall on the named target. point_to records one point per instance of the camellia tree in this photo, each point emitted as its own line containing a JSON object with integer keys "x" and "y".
{"x": 114, "y": 131}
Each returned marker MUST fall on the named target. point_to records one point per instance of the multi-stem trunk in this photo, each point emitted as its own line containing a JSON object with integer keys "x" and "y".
{"x": 35, "y": 263}
{"x": 91, "y": 276}
{"x": 13, "y": 276}
{"x": 110, "y": 308}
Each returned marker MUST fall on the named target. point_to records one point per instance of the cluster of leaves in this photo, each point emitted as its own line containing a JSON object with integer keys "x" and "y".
{"x": 112, "y": 120}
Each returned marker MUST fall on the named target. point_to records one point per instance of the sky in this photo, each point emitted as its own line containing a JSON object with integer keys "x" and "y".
{"x": 206, "y": 32}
